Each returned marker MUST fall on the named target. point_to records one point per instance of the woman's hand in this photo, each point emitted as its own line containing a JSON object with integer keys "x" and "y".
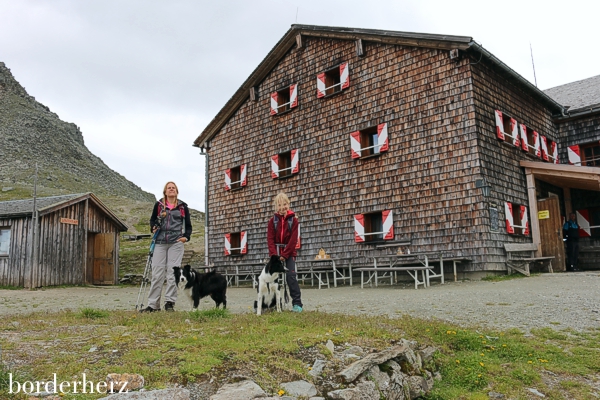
{"x": 182, "y": 239}
{"x": 154, "y": 229}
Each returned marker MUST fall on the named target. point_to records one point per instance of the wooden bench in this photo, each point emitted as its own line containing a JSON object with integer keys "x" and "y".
{"x": 413, "y": 271}
{"x": 320, "y": 269}
{"x": 522, "y": 263}
{"x": 236, "y": 273}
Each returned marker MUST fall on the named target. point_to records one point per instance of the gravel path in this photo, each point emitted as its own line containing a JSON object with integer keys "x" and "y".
{"x": 559, "y": 301}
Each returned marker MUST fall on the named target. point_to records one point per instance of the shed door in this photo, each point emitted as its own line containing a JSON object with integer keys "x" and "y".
{"x": 104, "y": 259}
{"x": 551, "y": 232}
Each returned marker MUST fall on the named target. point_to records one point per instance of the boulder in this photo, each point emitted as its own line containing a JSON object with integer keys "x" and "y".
{"x": 299, "y": 389}
{"x": 355, "y": 369}
{"x": 244, "y": 390}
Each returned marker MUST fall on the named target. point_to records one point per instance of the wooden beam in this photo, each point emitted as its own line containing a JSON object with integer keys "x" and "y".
{"x": 360, "y": 51}
{"x": 254, "y": 93}
{"x": 533, "y": 211}
{"x": 299, "y": 44}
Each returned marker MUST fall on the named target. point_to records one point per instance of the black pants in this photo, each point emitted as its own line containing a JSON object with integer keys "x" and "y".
{"x": 292, "y": 281}
{"x": 572, "y": 253}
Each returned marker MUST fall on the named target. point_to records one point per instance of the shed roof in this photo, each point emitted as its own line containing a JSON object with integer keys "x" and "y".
{"x": 428, "y": 40}
{"x": 579, "y": 95}
{"x": 46, "y": 205}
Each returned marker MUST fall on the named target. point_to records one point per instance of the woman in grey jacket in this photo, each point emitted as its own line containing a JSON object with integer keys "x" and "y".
{"x": 172, "y": 218}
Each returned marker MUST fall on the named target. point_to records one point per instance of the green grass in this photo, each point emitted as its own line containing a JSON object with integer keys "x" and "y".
{"x": 500, "y": 278}
{"x": 182, "y": 347}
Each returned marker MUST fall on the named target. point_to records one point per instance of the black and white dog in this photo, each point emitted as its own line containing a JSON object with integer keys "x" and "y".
{"x": 269, "y": 286}
{"x": 197, "y": 286}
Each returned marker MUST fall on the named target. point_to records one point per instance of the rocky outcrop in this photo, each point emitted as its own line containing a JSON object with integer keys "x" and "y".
{"x": 30, "y": 133}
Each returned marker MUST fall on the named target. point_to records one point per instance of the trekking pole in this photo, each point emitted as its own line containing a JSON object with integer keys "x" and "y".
{"x": 147, "y": 277}
{"x": 285, "y": 294}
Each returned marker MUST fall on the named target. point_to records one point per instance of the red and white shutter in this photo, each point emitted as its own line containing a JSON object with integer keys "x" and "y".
{"x": 294, "y": 96}
{"x": 523, "y": 135}
{"x": 524, "y": 221}
{"x": 499, "y": 125}
{"x": 554, "y": 151}
{"x": 275, "y": 166}
{"x": 544, "y": 142}
{"x": 344, "y": 76}
{"x": 274, "y": 104}
{"x": 295, "y": 165}
{"x": 382, "y": 137}
{"x": 321, "y": 85}
{"x": 298, "y": 242}
{"x": 243, "y": 175}
{"x": 536, "y": 144}
{"x": 355, "y": 144}
{"x": 227, "y": 244}
{"x": 510, "y": 224}
{"x": 243, "y": 243}
{"x": 388, "y": 224}
{"x": 583, "y": 220}
{"x": 359, "y": 228}
{"x": 514, "y": 131}
{"x": 227, "y": 179}
{"x": 574, "y": 155}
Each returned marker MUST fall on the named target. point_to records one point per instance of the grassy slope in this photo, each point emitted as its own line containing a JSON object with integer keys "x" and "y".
{"x": 181, "y": 347}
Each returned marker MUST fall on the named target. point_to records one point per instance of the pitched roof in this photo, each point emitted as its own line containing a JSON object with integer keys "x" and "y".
{"x": 45, "y": 205}
{"x": 427, "y": 40}
{"x": 583, "y": 94}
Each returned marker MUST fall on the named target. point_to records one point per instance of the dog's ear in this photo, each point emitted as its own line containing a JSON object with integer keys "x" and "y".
{"x": 187, "y": 267}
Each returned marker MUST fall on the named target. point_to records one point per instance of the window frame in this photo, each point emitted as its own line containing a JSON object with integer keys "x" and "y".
{"x": 286, "y": 97}
{"x": 520, "y": 220}
{"x": 285, "y": 162}
{"x": 237, "y": 177}
{"x": 238, "y": 245}
{"x": 332, "y": 79}
{"x": 595, "y": 161}
{"x": 364, "y": 139}
{"x": 374, "y": 227}
{"x": 5, "y": 237}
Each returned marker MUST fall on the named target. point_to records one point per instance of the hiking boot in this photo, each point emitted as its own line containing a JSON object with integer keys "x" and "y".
{"x": 169, "y": 306}
{"x": 149, "y": 309}
{"x": 297, "y": 308}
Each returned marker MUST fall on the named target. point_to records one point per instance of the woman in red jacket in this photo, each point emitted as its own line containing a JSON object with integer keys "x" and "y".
{"x": 282, "y": 237}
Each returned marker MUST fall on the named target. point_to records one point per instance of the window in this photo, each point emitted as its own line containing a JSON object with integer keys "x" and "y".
{"x": 369, "y": 142}
{"x": 236, "y": 244}
{"x": 4, "y": 242}
{"x": 589, "y": 222}
{"x": 530, "y": 141}
{"x": 235, "y": 178}
{"x": 284, "y": 165}
{"x": 517, "y": 222}
{"x": 284, "y": 100}
{"x": 590, "y": 154}
{"x": 376, "y": 226}
{"x": 506, "y": 129}
{"x": 333, "y": 81}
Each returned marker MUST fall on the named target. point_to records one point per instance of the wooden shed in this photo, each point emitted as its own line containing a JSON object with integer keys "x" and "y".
{"x": 382, "y": 138}
{"x": 75, "y": 242}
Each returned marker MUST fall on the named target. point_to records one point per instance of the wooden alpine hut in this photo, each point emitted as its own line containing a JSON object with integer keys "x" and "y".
{"x": 74, "y": 242}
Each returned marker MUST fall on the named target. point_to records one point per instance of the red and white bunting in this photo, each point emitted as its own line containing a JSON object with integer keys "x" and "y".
{"x": 275, "y": 166}
{"x": 523, "y": 136}
{"x": 321, "y": 85}
{"x": 574, "y": 155}
{"x": 388, "y": 224}
{"x": 298, "y": 242}
{"x": 274, "y": 104}
{"x": 344, "y": 76}
{"x": 536, "y": 144}
{"x": 243, "y": 175}
{"x": 510, "y": 224}
{"x": 544, "y": 142}
{"x": 355, "y": 144}
{"x": 554, "y": 151}
{"x": 499, "y": 125}
{"x": 359, "y": 228}
{"x": 524, "y": 221}
{"x": 583, "y": 220}
{"x": 227, "y": 244}
{"x": 514, "y": 132}
{"x": 382, "y": 137}
{"x": 295, "y": 164}
{"x": 294, "y": 96}
{"x": 243, "y": 243}
{"x": 227, "y": 179}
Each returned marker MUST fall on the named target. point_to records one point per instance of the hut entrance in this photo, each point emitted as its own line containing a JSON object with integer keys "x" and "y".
{"x": 101, "y": 257}
{"x": 551, "y": 231}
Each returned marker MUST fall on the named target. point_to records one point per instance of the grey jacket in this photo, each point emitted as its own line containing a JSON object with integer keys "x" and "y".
{"x": 174, "y": 224}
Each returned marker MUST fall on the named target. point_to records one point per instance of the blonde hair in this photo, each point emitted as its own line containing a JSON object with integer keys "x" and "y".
{"x": 165, "y": 191}
{"x": 281, "y": 197}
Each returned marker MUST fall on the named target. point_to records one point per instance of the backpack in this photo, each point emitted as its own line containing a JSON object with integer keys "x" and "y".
{"x": 181, "y": 209}
{"x": 276, "y": 222}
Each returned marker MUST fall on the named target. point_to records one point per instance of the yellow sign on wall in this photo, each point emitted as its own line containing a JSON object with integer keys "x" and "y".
{"x": 544, "y": 214}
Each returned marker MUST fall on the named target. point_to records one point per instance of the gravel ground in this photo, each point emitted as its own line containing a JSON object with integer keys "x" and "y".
{"x": 558, "y": 301}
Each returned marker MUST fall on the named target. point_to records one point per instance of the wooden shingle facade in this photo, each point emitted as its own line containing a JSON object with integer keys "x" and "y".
{"x": 76, "y": 242}
{"x": 405, "y": 147}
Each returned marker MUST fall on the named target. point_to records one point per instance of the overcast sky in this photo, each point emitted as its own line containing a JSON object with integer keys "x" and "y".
{"x": 142, "y": 78}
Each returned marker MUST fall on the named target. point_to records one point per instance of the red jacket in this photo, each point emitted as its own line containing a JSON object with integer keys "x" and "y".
{"x": 283, "y": 235}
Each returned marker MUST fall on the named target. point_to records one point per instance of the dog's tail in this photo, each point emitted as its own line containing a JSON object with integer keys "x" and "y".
{"x": 286, "y": 297}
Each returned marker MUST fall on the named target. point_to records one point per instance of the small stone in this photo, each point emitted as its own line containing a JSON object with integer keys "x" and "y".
{"x": 494, "y": 395}
{"x": 93, "y": 349}
{"x": 128, "y": 382}
{"x": 317, "y": 368}
{"x": 7, "y": 189}
{"x": 330, "y": 346}
{"x": 299, "y": 389}
{"x": 536, "y": 392}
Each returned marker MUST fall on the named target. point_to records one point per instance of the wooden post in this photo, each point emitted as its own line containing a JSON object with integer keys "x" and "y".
{"x": 568, "y": 204}
{"x": 85, "y": 243}
{"x": 533, "y": 210}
